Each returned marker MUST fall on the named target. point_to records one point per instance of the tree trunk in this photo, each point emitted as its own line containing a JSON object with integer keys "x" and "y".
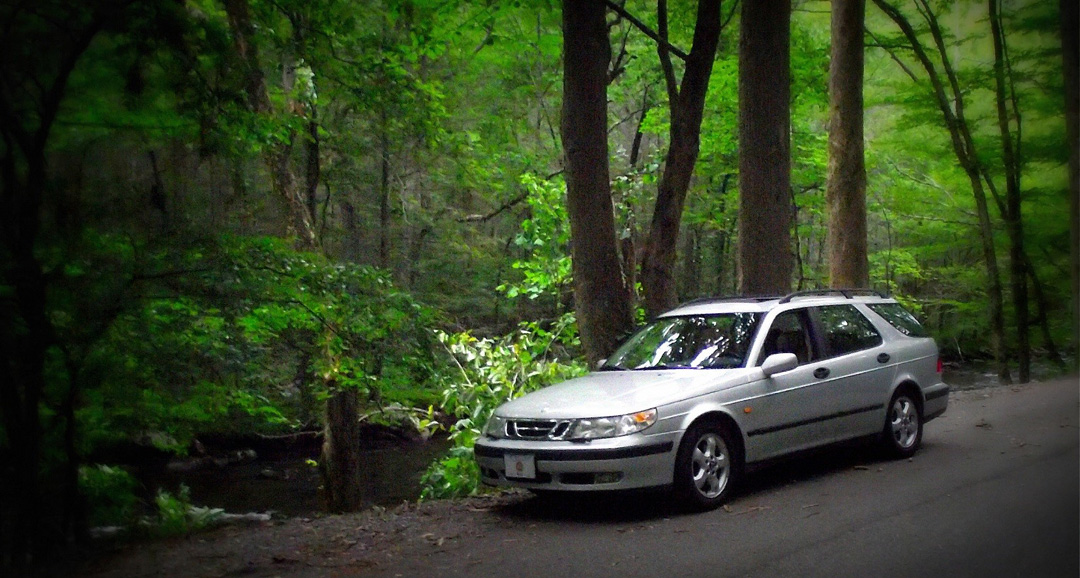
{"x": 690, "y": 285}
{"x": 600, "y": 294}
{"x": 1070, "y": 50}
{"x": 1013, "y": 216}
{"x": 21, "y": 500}
{"x": 25, "y": 502}
{"x": 312, "y": 169}
{"x": 340, "y": 460}
{"x": 845, "y": 191}
{"x": 964, "y": 147}
{"x": 1043, "y": 320}
{"x": 687, "y": 107}
{"x": 384, "y": 193}
{"x": 278, "y": 157}
{"x": 765, "y": 262}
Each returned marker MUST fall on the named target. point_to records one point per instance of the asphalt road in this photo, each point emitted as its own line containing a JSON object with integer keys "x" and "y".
{"x": 994, "y": 491}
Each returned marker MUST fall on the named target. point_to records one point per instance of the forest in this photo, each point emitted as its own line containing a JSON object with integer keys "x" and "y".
{"x": 284, "y": 217}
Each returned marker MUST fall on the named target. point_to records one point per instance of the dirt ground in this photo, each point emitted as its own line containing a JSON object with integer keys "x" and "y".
{"x": 325, "y": 545}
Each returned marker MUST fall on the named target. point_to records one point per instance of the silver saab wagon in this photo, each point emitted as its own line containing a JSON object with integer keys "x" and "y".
{"x": 713, "y": 386}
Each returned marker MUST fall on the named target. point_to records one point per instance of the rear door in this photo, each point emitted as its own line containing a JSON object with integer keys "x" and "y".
{"x": 858, "y": 368}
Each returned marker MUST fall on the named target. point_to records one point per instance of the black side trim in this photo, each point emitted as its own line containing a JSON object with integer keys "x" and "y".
{"x": 940, "y": 393}
{"x": 578, "y": 455}
{"x": 801, "y": 423}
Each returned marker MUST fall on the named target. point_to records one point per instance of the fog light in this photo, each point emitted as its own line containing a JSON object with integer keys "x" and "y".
{"x": 607, "y": 477}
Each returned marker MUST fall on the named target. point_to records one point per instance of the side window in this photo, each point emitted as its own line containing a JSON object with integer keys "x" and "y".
{"x": 789, "y": 334}
{"x": 846, "y": 330}
{"x": 899, "y": 318}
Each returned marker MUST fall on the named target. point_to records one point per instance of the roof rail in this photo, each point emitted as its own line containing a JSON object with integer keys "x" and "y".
{"x": 701, "y": 300}
{"x": 847, "y": 293}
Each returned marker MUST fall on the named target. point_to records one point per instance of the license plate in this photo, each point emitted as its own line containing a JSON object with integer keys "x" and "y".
{"x": 520, "y": 466}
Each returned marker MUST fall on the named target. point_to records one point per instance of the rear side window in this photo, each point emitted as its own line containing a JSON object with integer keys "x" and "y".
{"x": 900, "y": 318}
{"x": 846, "y": 330}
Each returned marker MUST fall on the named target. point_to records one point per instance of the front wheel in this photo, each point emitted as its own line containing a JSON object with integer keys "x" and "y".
{"x": 706, "y": 467}
{"x": 903, "y": 426}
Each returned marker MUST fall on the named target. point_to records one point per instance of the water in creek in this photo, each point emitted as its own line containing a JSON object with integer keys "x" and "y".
{"x": 288, "y": 485}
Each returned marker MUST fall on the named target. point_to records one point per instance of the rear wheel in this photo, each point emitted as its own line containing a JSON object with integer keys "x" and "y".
{"x": 903, "y": 425}
{"x": 706, "y": 467}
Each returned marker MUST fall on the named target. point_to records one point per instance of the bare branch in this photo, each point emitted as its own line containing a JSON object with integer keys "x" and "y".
{"x": 505, "y": 207}
{"x": 645, "y": 29}
{"x": 665, "y": 56}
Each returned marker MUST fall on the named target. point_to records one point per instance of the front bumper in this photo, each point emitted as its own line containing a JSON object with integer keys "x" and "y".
{"x": 622, "y": 463}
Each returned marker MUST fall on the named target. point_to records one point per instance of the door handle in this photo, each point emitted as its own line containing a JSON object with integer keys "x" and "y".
{"x": 883, "y": 358}
{"x": 821, "y": 372}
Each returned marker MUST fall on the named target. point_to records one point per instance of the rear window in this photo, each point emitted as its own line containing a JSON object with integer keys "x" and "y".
{"x": 900, "y": 318}
{"x": 846, "y": 330}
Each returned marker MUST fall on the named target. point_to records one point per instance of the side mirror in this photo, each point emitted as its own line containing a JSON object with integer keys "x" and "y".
{"x": 779, "y": 363}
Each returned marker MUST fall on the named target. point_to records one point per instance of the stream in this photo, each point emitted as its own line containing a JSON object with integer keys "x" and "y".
{"x": 287, "y": 485}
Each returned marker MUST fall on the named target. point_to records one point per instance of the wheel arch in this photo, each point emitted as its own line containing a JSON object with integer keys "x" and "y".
{"x": 908, "y": 384}
{"x": 720, "y": 416}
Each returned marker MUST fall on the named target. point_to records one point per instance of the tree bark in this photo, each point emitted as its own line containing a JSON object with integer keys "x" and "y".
{"x": 687, "y": 107}
{"x": 278, "y": 157}
{"x": 765, "y": 261}
{"x": 341, "y": 452}
{"x": 26, "y": 123}
{"x": 1070, "y": 51}
{"x": 384, "y": 192}
{"x": 600, "y": 294}
{"x": 1012, "y": 215}
{"x": 340, "y": 459}
{"x": 845, "y": 190}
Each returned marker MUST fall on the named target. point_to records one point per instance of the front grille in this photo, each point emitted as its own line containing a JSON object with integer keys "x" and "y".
{"x": 537, "y": 429}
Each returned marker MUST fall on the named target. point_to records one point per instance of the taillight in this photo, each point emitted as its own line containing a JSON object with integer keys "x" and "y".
{"x": 939, "y": 367}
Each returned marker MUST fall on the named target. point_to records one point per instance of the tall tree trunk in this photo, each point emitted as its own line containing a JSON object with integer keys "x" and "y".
{"x": 340, "y": 459}
{"x": 964, "y": 148}
{"x": 601, "y": 298}
{"x": 312, "y": 168}
{"x": 1013, "y": 216}
{"x": 765, "y": 261}
{"x": 845, "y": 191}
{"x": 1043, "y": 320}
{"x": 687, "y": 105}
{"x": 384, "y": 192}
{"x": 278, "y": 158}
{"x": 341, "y": 452}
{"x": 1070, "y": 51}
{"x": 25, "y": 130}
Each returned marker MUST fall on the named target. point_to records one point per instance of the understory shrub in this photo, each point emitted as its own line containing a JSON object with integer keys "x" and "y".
{"x": 484, "y": 374}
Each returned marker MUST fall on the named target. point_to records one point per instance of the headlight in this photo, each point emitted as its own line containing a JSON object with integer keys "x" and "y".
{"x": 495, "y": 427}
{"x": 609, "y": 427}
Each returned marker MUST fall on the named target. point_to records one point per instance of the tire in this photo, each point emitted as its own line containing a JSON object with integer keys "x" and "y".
{"x": 903, "y": 429}
{"x": 707, "y": 466}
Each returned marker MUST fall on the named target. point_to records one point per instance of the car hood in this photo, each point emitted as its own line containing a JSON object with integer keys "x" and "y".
{"x": 612, "y": 393}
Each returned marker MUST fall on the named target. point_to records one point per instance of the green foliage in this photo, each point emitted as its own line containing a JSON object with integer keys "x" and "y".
{"x": 490, "y": 372}
{"x": 176, "y": 516}
{"x": 110, "y": 494}
{"x": 253, "y": 336}
{"x": 545, "y": 240}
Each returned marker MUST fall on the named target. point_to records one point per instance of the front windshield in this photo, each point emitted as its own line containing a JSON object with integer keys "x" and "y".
{"x": 692, "y": 342}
